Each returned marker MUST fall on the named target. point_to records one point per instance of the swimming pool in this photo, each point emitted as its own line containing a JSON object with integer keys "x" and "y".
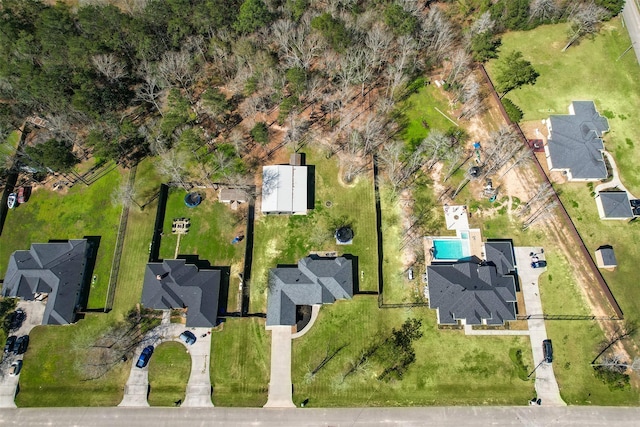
{"x": 449, "y": 249}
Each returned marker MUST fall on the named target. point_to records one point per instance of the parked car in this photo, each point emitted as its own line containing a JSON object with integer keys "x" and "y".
{"x": 144, "y": 357}
{"x": 8, "y": 346}
{"x": 187, "y": 337}
{"x": 11, "y": 200}
{"x": 547, "y": 350}
{"x": 539, "y": 264}
{"x": 15, "y": 368}
{"x": 21, "y": 195}
{"x": 21, "y": 344}
{"x": 16, "y": 318}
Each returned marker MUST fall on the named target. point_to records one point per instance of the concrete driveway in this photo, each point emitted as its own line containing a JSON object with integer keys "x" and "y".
{"x": 199, "y": 386}
{"x": 198, "y": 393}
{"x": 9, "y": 385}
{"x": 545, "y": 381}
{"x": 280, "y": 386}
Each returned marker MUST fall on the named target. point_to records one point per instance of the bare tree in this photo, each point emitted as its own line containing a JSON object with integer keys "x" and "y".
{"x": 435, "y": 147}
{"x": 298, "y": 46}
{"x": 177, "y": 69}
{"x": 504, "y": 145}
{"x": 438, "y": 36}
{"x": 171, "y": 162}
{"x": 543, "y": 193}
{"x": 543, "y": 10}
{"x": 110, "y": 66}
{"x": 585, "y": 21}
{"x": 151, "y": 87}
{"x": 124, "y": 195}
{"x": 481, "y": 25}
{"x": 544, "y": 211}
{"x": 460, "y": 63}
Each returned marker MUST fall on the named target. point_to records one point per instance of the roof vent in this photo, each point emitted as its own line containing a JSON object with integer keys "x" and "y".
{"x": 162, "y": 276}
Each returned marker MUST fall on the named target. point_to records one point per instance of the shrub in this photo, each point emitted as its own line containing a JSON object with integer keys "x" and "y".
{"x": 260, "y": 133}
{"x": 513, "y": 111}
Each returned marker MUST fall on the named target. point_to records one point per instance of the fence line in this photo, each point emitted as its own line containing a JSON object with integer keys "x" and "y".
{"x": 117, "y": 253}
{"x": 563, "y": 212}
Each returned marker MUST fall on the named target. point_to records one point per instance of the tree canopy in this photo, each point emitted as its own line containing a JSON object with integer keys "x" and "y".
{"x": 513, "y": 72}
{"x": 53, "y": 154}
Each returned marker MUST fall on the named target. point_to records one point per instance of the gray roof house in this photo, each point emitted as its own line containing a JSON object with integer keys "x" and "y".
{"x": 575, "y": 142}
{"x": 176, "y": 284}
{"x": 57, "y": 269}
{"x": 315, "y": 280}
{"x": 605, "y": 258}
{"x": 475, "y": 293}
{"x": 614, "y": 205}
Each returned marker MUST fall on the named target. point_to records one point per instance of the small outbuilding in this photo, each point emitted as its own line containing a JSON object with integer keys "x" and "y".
{"x": 605, "y": 258}
{"x": 284, "y": 190}
{"x": 614, "y": 205}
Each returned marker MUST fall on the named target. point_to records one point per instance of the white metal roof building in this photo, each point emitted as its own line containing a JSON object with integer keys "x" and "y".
{"x": 284, "y": 189}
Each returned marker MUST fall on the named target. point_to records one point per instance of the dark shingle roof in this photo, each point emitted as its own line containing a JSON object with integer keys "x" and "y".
{"x": 475, "y": 292}
{"x": 500, "y": 254}
{"x": 576, "y": 143}
{"x": 607, "y": 255}
{"x": 615, "y": 204}
{"x": 176, "y": 284}
{"x": 314, "y": 281}
{"x": 57, "y": 269}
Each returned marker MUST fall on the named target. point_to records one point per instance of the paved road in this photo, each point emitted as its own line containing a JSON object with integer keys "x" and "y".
{"x": 280, "y": 389}
{"x": 528, "y": 416}
{"x": 631, "y": 15}
{"x": 545, "y": 381}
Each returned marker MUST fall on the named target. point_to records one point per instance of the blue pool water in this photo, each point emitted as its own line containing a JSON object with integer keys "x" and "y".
{"x": 447, "y": 249}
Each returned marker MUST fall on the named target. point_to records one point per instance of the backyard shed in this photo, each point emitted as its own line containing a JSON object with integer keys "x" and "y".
{"x": 605, "y": 258}
{"x": 284, "y": 189}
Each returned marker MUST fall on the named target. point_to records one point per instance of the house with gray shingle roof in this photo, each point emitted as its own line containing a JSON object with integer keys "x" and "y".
{"x": 575, "y": 143}
{"x": 614, "y": 205}
{"x": 176, "y": 284}
{"x": 314, "y": 280}
{"x": 57, "y": 269}
{"x": 475, "y": 293}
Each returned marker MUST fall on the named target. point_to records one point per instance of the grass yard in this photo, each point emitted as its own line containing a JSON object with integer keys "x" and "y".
{"x": 84, "y": 211}
{"x": 213, "y": 227}
{"x": 169, "y": 370}
{"x": 420, "y": 108}
{"x": 285, "y": 239}
{"x": 577, "y": 74}
{"x": 588, "y": 71}
{"x": 50, "y": 376}
{"x": 55, "y": 353}
{"x": 240, "y": 363}
{"x": 450, "y": 368}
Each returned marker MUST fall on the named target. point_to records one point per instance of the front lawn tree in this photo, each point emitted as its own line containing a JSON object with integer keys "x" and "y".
{"x": 513, "y": 72}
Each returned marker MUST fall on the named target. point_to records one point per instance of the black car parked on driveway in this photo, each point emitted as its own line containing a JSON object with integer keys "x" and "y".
{"x": 8, "y": 346}
{"x": 21, "y": 344}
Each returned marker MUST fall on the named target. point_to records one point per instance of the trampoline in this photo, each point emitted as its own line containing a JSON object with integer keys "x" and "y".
{"x": 192, "y": 199}
{"x": 344, "y": 235}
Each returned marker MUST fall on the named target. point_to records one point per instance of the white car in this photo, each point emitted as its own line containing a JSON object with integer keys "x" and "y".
{"x": 15, "y": 368}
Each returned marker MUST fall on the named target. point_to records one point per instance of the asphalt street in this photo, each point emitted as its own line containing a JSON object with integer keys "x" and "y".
{"x": 631, "y": 16}
{"x": 468, "y": 416}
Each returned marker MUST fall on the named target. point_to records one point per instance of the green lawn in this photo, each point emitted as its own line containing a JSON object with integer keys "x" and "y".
{"x": 421, "y": 107}
{"x": 84, "y": 211}
{"x": 213, "y": 227}
{"x": 450, "y": 368}
{"x": 169, "y": 370}
{"x": 589, "y": 71}
{"x": 240, "y": 363}
{"x": 51, "y": 375}
{"x": 285, "y": 239}
{"x": 53, "y": 362}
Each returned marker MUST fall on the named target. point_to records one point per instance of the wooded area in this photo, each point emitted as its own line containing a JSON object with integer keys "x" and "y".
{"x": 202, "y": 83}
